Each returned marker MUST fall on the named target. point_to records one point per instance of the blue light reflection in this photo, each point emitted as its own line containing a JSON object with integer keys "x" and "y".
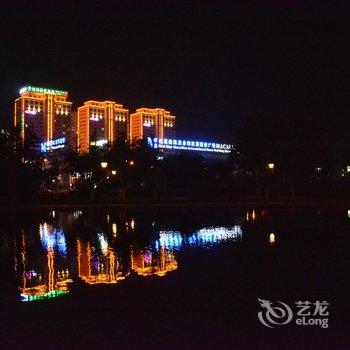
{"x": 213, "y": 235}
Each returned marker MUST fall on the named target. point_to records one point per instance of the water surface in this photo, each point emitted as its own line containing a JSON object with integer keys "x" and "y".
{"x": 177, "y": 272}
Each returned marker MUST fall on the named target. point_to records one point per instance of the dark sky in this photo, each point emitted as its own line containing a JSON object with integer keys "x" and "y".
{"x": 208, "y": 63}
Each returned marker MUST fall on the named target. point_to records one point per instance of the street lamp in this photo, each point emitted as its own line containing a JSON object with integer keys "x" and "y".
{"x": 45, "y": 161}
{"x": 132, "y": 162}
{"x": 114, "y": 172}
{"x": 271, "y": 166}
{"x": 104, "y": 165}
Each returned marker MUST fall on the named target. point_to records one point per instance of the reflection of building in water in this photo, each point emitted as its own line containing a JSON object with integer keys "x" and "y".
{"x": 174, "y": 239}
{"x": 254, "y": 215}
{"x": 251, "y": 216}
{"x": 50, "y": 278}
{"x": 43, "y": 270}
{"x": 73, "y": 216}
{"x": 98, "y": 264}
{"x": 145, "y": 262}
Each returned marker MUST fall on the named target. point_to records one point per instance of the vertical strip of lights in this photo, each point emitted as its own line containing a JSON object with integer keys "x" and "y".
{"x": 110, "y": 121}
{"x": 78, "y": 130}
{"x": 88, "y": 250}
{"x": 79, "y": 256}
{"x": 51, "y": 282}
{"x": 23, "y": 254}
{"x": 15, "y": 115}
{"x": 161, "y": 124}
{"x": 87, "y": 127}
{"x": 141, "y": 125}
{"x": 49, "y": 117}
{"x": 112, "y": 265}
{"x": 22, "y": 125}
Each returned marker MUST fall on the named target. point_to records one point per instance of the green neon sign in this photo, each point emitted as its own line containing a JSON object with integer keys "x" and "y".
{"x": 42, "y": 90}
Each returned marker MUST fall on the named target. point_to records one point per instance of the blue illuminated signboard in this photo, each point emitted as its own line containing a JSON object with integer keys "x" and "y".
{"x": 199, "y": 146}
{"x": 52, "y": 144}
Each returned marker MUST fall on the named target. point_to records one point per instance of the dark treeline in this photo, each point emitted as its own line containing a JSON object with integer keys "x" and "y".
{"x": 283, "y": 157}
{"x": 308, "y": 157}
{"x": 21, "y": 175}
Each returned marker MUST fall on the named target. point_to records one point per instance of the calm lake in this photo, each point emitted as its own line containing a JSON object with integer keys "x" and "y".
{"x": 173, "y": 278}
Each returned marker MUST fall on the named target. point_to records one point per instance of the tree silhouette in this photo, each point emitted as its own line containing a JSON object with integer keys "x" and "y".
{"x": 295, "y": 144}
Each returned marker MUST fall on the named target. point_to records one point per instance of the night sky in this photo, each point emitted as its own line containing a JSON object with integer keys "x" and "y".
{"x": 208, "y": 63}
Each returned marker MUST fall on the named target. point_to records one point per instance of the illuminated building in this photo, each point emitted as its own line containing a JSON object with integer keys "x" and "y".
{"x": 100, "y": 123}
{"x": 151, "y": 122}
{"x": 46, "y": 112}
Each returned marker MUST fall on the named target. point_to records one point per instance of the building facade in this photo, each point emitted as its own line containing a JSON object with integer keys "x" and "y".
{"x": 100, "y": 123}
{"x": 45, "y": 112}
{"x": 151, "y": 122}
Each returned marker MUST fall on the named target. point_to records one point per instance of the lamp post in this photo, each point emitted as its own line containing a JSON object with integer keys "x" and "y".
{"x": 104, "y": 166}
{"x": 270, "y": 167}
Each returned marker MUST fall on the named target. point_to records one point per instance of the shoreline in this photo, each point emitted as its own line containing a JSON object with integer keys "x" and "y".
{"x": 322, "y": 203}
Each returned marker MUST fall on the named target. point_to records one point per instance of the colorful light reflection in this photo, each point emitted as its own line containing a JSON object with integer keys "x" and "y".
{"x": 48, "y": 295}
{"x": 175, "y": 240}
{"x": 53, "y": 238}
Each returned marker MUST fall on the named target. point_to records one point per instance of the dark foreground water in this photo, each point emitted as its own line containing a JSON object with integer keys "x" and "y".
{"x": 175, "y": 279}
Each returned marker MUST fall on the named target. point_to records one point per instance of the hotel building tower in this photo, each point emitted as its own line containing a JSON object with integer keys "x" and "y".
{"x": 47, "y": 112}
{"x": 100, "y": 123}
{"x": 152, "y": 122}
